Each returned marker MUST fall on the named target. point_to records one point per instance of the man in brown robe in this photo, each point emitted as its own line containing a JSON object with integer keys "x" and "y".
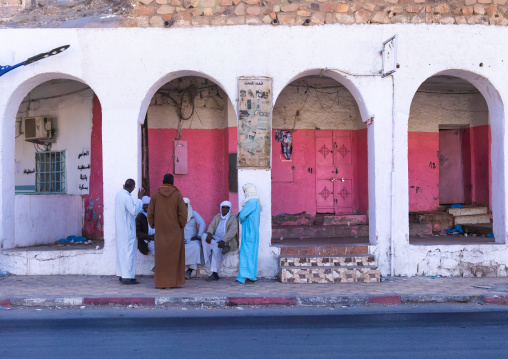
{"x": 167, "y": 214}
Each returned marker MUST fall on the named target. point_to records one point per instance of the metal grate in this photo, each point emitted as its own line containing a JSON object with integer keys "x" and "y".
{"x": 50, "y": 172}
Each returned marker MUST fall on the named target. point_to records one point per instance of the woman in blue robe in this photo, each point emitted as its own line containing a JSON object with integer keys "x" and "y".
{"x": 249, "y": 218}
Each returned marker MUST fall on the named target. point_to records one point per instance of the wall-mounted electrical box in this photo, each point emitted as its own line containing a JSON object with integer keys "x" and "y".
{"x": 38, "y": 128}
{"x": 180, "y": 157}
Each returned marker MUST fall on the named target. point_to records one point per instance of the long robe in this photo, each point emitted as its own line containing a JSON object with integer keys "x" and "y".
{"x": 125, "y": 228}
{"x": 193, "y": 252}
{"x": 249, "y": 217}
{"x": 167, "y": 214}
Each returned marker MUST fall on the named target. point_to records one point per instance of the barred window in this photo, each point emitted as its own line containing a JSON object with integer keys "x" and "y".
{"x": 50, "y": 172}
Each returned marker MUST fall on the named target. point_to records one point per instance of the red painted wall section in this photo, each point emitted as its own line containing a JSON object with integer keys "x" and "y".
{"x": 466, "y": 165}
{"x": 424, "y": 178}
{"x": 362, "y": 175}
{"x": 206, "y": 184}
{"x": 480, "y": 165}
{"x": 423, "y": 168}
{"x": 294, "y": 189}
{"x": 231, "y": 134}
{"x": 93, "y": 224}
{"x": 298, "y": 195}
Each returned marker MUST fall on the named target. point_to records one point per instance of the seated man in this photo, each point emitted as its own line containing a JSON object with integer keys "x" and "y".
{"x": 144, "y": 232}
{"x": 192, "y": 233}
{"x": 223, "y": 230}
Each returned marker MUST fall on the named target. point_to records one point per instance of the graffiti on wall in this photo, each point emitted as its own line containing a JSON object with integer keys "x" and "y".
{"x": 254, "y": 121}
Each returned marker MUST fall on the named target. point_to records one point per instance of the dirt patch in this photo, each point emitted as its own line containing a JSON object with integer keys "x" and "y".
{"x": 75, "y": 14}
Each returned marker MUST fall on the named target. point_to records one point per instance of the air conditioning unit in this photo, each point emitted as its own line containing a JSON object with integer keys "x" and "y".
{"x": 38, "y": 128}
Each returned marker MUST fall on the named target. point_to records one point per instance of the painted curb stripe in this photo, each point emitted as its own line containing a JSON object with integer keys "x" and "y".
{"x": 387, "y": 299}
{"x": 148, "y": 301}
{"x": 234, "y": 301}
{"x": 503, "y": 300}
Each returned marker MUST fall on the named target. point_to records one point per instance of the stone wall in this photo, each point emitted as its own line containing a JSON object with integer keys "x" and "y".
{"x": 187, "y": 13}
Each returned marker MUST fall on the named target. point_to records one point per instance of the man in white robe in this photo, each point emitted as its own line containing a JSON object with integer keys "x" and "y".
{"x": 192, "y": 233}
{"x": 125, "y": 227}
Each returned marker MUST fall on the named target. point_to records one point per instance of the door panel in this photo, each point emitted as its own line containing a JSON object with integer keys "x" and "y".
{"x": 451, "y": 178}
{"x": 325, "y": 171}
{"x": 343, "y": 194}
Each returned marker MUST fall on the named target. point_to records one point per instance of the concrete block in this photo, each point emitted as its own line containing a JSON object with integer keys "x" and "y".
{"x": 475, "y": 219}
{"x": 418, "y": 229}
{"x": 468, "y": 211}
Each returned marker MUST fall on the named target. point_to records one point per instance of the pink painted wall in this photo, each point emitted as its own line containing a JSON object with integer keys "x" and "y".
{"x": 423, "y": 167}
{"x": 206, "y": 183}
{"x": 296, "y": 192}
{"x": 481, "y": 178}
{"x": 93, "y": 224}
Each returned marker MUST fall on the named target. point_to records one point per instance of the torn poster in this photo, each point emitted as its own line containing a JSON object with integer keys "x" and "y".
{"x": 285, "y": 139}
{"x": 254, "y": 121}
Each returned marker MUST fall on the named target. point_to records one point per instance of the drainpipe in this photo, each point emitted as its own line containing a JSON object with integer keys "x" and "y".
{"x": 392, "y": 204}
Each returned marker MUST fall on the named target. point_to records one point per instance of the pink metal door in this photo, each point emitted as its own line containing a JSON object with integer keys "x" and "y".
{"x": 344, "y": 182}
{"x": 451, "y": 179}
{"x": 325, "y": 172}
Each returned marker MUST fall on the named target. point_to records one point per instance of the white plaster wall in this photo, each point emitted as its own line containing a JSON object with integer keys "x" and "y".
{"x": 125, "y": 67}
{"x": 210, "y": 106}
{"x": 42, "y": 219}
{"x": 428, "y": 111}
{"x": 325, "y": 104}
{"x": 72, "y": 121}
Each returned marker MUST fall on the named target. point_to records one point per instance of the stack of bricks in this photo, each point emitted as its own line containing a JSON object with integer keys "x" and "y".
{"x": 192, "y": 13}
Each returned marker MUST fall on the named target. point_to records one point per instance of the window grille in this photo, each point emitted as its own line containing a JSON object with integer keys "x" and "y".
{"x": 50, "y": 172}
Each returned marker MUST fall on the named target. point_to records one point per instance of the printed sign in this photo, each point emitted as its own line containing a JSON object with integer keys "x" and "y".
{"x": 254, "y": 122}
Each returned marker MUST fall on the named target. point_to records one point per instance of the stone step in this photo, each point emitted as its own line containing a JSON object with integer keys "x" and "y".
{"x": 359, "y": 260}
{"x": 468, "y": 211}
{"x": 324, "y": 250}
{"x": 473, "y": 219}
{"x": 342, "y": 231}
{"x": 439, "y": 220}
{"x": 287, "y": 219}
{"x": 344, "y": 219}
{"x": 329, "y": 275}
{"x": 420, "y": 229}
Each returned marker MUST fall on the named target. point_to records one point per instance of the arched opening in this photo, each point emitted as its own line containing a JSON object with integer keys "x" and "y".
{"x": 449, "y": 163}
{"x": 319, "y": 165}
{"x": 58, "y": 167}
{"x": 190, "y": 131}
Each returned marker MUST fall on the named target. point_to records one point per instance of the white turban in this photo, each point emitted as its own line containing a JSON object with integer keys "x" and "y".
{"x": 225, "y": 204}
{"x": 189, "y": 209}
{"x": 250, "y": 192}
{"x": 145, "y": 200}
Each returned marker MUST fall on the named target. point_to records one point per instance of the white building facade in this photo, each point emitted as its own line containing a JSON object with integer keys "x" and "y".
{"x": 124, "y": 67}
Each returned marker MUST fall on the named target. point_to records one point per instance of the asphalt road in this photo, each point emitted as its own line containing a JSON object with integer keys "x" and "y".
{"x": 466, "y": 334}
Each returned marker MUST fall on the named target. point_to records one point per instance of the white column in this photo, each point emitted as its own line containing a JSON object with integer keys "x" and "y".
{"x": 121, "y": 153}
{"x": 7, "y": 134}
{"x": 267, "y": 258}
{"x": 377, "y": 94}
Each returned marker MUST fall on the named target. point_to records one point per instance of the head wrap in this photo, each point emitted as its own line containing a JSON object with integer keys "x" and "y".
{"x": 228, "y": 204}
{"x": 189, "y": 209}
{"x": 250, "y": 192}
{"x": 145, "y": 200}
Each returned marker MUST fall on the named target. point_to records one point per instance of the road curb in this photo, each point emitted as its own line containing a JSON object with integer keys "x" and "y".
{"x": 221, "y": 301}
{"x": 236, "y": 301}
{"x": 141, "y": 301}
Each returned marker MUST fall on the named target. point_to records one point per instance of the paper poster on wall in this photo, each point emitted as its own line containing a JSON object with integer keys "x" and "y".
{"x": 254, "y": 122}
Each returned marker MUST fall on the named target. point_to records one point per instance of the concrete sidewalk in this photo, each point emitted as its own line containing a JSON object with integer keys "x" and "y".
{"x": 69, "y": 291}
